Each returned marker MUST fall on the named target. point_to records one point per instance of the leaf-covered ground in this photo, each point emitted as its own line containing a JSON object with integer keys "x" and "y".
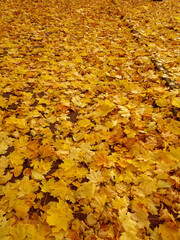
{"x": 89, "y": 120}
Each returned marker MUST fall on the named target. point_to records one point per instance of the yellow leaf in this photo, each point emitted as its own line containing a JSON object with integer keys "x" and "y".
{"x": 140, "y": 216}
{"x": 129, "y": 236}
{"x": 130, "y": 228}
{"x": 177, "y": 18}
{"x": 163, "y": 184}
{"x": 16, "y": 158}
{"x": 84, "y": 123}
{"x": 59, "y": 216}
{"x": 148, "y": 185}
{"x": 33, "y": 233}
{"x": 26, "y": 231}
{"x": 105, "y": 107}
{"x": 5, "y": 141}
{"x": 45, "y": 185}
{"x": 169, "y": 231}
{"x": 86, "y": 191}
{"x": 155, "y": 235}
{"x": 119, "y": 203}
{"x": 77, "y": 101}
{"x": 20, "y": 123}
{"x": 130, "y": 132}
{"x": 92, "y": 78}
{"x": 101, "y": 158}
{"x": 58, "y": 188}
{"x": 3, "y": 147}
{"x": 99, "y": 202}
{"x": 161, "y": 102}
{"x": 37, "y": 175}
{"x": 95, "y": 177}
{"x": 17, "y": 170}
{"x": 176, "y": 102}
{"x": 18, "y": 231}
{"x": 4, "y": 233}
{"x": 68, "y": 164}
{"x": 78, "y": 60}
{"x": 66, "y": 30}
{"x": 175, "y": 153}
{"x": 3, "y": 220}
{"x": 3, "y": 102}
{"x": 5, "y": 177}
{"x": 27, "y": 187}
{"x": 21, "y": 208}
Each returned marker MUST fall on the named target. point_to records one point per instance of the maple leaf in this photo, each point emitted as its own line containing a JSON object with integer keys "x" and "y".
{"x": 99, "y": 201}
{"x": 105, "y": 107}
{"x": 25, "y": 231}
{"x": 95, "y": 176}
{"x": 21, "y": 208}
{"x": 92, "y": 78}
{"x": 73, "y": 235}
{"x": 161, "y": 102}
{"x": 176, "y": 102}
{"x": 16, "y": 158}
{"x": 101, "y": 158}
{"x": 148, "y": 185}
{"x": 5, "y": 142}
{"x": 175, "y": 153}
{"x": 18, "y": 231}
{"x": 130, "y": 227}
{"x": 3, "y": 220}
{"x": 128, "y": 236}
{"x": 140, "y": 216}
{"x": 46, "y": 151}
{"x": 86, "y": 191}
{"x": 119, "y": 203}
{"x": 59, "y": 216}
{"x": 37, "y": 175}
{"x": 3, "y": 102}
{"x": 58, "y": 188}
{"x": 168, "y": 231}
{"x": 34, "y": 233}
{"x": 3, "y": 147}
{"x": 84, "y": 123}
{"x": 26, "y": 187}
{"x": 77, "y": 101}
{"x": 67, "y": 164}
{"x": 13, "y": 122}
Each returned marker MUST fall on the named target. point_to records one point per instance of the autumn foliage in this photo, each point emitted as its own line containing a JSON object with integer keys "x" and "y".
{"x": 89, "y": 120}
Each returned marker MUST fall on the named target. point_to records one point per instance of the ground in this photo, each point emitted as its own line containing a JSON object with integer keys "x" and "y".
{"x": 89, "y": 120}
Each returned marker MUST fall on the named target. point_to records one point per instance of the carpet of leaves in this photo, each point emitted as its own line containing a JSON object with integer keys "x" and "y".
{"x": 89, "y": 127}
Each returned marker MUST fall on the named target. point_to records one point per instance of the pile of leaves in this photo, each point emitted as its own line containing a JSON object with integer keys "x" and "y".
{"x": 90, "y": 133}
{"x": 156, "y": 25}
